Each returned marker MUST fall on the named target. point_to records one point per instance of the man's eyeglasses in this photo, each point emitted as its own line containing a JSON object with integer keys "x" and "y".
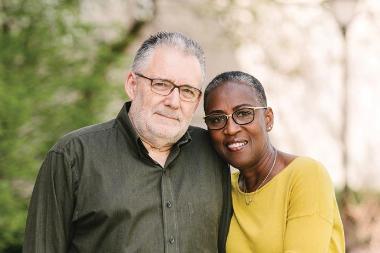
{"x": 243, "y": 116}
{"x": 165, "y": 87}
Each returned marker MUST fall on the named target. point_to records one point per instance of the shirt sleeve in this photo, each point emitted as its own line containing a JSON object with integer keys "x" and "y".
{"x": 311, "y": 211}
{"x": 48, "y": 227}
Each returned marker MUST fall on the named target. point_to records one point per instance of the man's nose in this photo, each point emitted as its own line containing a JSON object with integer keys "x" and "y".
{"x": 173, "y": 99}
{"x": 231, "y": 127}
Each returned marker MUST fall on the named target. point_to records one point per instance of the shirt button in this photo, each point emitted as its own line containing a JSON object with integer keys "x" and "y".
{"x": 168, "y": 204}
{"x": 171, "y": 240}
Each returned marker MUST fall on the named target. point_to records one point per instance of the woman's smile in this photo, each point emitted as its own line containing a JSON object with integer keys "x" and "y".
{"x": 236, "y": 145}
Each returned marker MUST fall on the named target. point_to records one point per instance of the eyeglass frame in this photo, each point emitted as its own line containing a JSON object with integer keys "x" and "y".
{"x": 230, "y": 116}
{"x": 171, "y": 90}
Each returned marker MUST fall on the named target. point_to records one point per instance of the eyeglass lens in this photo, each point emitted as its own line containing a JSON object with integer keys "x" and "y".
{"x": 186, "y": 92}
{"x": 242, "y": 116}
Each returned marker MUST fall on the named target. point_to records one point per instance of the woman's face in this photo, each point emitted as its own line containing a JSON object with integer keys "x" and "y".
{"x": 240, "y": 145}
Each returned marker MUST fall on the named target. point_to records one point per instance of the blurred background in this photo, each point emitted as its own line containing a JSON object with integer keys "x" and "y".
{"x": 63, "y": 64}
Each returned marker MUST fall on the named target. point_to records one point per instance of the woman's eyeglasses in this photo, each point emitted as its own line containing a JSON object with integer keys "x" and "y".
{"x": 243, "y": 116}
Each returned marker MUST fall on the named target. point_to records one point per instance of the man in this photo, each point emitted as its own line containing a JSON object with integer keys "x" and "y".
{"x": 143, "y": 182}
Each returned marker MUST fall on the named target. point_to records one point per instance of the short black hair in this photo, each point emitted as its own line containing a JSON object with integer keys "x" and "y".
{"x": 238, "y": 77}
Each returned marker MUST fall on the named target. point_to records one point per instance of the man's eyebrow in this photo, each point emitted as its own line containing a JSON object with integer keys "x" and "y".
{"x": 163, "y": 79}
{"x": 172, "y": 82}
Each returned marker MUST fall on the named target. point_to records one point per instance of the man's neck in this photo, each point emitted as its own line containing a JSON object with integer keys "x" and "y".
{"x": 157, "y": 154}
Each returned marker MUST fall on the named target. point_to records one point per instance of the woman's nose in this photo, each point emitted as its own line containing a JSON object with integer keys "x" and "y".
{"x": 231, "y": 127}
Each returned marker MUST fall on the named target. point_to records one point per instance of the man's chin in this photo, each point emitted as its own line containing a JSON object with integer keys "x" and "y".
{"x": 165, "y": 133}
{"x": 161, "y": 140}
{"x": 168, "y": 133}
{"x": 168, "y": 125}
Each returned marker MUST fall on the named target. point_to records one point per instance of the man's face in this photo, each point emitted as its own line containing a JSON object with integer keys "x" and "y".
{"x": 162, "y": 120}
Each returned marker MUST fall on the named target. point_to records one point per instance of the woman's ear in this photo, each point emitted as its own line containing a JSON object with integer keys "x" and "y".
{"x": 269, "y": 119}
{"x": 130, "y": 85}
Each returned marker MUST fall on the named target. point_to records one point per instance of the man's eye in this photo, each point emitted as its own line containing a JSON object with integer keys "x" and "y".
{"x": 188, "y": 92}
{"x": 162, "y": 85}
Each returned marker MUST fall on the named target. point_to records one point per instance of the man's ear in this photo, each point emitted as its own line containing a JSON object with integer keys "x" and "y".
{"x": 269, "y": 119}
{"x": 130, "y": 85}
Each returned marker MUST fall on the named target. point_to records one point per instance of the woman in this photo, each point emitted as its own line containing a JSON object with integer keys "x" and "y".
{"x": 282, "y": 202}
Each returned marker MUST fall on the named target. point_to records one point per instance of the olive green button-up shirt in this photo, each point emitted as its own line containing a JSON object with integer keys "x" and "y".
{"x": 98, "y": 190}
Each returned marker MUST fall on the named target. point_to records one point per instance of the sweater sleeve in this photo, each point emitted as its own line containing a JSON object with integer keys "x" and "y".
{"x": 48, "y": 227}
{"x": 311, "y": 210}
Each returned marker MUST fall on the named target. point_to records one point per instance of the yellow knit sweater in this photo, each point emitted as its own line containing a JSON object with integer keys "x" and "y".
{"x": 295, "y": 212}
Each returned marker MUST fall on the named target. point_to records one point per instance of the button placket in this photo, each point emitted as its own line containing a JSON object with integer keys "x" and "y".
{"x": 169, "y": 213}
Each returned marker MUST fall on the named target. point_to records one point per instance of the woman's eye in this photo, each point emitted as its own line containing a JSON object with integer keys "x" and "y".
{"x": 216, "y": 119}
{"x": 244, "y": 113}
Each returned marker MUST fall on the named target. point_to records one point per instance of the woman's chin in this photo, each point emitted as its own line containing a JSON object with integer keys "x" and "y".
{"x": 237, "y": 163}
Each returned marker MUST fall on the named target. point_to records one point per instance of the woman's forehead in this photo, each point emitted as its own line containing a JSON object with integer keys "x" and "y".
{"x": 232, "y": 93}
{"x": 234, "y": 88}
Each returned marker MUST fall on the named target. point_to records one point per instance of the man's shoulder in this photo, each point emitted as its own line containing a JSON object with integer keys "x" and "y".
{"x": 201, "y": 147}
{"x": 199, "y": 135}
{"x": 200, "y": 138}
{"x": 91, "y": 132}
{"x": 197, "y": 132}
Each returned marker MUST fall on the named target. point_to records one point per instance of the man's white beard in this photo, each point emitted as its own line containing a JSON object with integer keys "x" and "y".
{"x": 153, "y": 133}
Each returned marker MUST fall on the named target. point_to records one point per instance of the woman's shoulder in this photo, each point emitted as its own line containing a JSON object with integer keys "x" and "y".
{"x": 308, "y": 171}
{"x": 312, "y": 190}
{"x": 307, "y": 166}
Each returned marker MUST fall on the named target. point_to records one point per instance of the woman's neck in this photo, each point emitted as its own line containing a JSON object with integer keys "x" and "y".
{"x": 253, "y": 178}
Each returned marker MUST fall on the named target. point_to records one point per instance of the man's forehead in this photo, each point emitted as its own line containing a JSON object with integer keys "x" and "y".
{"x": 174, "y": 65}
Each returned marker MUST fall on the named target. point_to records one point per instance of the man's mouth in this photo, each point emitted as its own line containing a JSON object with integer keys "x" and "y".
{"x": 168, "y": 116}
{"x": 236, "y": 146}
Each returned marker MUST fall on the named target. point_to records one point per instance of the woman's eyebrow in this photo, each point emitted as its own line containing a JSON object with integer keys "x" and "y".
{"x": 234, "y": 109}
{"x": 216, "y": 112}
{"x": 242, "y": 105}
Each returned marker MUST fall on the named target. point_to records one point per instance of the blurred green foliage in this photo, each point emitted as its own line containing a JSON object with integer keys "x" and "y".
{"x": 12, "y": 219}
{"x": 52, "y": 80}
